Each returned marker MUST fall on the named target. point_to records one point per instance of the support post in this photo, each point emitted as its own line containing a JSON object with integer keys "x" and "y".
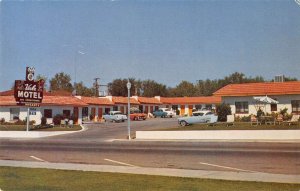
{"x": 27, "y": 126}
{"x": 128, "y": 109}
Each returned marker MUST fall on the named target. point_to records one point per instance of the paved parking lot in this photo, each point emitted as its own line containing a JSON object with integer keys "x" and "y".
{"x": 110, "y": 130}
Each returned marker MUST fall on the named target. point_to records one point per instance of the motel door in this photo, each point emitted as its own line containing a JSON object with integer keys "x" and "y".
{"x": 190, "y": 110}
{"x": 151, "y": 109}
{"x": 99, "y": 113}
{"x": 93, "y": 113}
{"x": 122, "y": 109}
{"x": 182, "y": 109}
{"x": 76, "y": 112}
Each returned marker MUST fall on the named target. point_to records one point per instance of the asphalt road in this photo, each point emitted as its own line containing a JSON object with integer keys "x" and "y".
{"x": 98, "y": 145}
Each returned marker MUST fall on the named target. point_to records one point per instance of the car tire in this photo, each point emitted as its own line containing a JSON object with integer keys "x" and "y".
{"x": 183, "y": 123}
{"x": 154, "y": 116}
{"x": 171, "y": 116}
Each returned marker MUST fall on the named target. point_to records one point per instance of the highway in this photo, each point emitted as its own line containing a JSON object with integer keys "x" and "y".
{"x": 106, "y": 144}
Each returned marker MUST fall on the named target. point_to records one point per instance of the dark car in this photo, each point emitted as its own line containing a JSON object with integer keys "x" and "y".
{"x": 160, "y": 113}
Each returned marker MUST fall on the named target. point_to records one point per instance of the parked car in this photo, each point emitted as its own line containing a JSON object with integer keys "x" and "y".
{"x": 170, "y": 112}
{"x": 198, "y": 117}
{"x": 136, "y": 115}
{"x": 115, "y": 116}
{"x": 159, "y": 113}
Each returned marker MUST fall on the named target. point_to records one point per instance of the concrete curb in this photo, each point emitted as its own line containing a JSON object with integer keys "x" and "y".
{"x": 221, "y": 175}
{"x": 278, "y": 135}
{"x": 36, "y": 134}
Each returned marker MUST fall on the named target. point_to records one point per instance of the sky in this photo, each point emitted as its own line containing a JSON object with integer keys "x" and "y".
{"x": 166, "y": 41}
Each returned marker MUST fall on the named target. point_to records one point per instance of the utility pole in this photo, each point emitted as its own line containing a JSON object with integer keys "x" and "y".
{"x": 96, "y": 86}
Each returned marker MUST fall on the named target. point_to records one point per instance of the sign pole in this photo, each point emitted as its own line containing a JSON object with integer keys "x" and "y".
{"x": 27, "y": 127}
{"x": 128, "y": 109}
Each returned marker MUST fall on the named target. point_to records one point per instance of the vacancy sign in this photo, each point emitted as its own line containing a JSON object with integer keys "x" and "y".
{"x": 29, "y": 92}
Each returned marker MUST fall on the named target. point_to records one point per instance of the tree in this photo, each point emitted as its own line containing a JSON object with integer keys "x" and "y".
{"x": 41, "y": 77}
{"x": 118, "y": 87}
{"x": 61, "y": 81}
{"x": 82, "y": 90}
{"x": 150, "y": 88}
{"x": 185, "y": 88}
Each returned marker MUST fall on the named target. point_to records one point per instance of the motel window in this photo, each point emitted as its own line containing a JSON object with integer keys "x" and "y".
{"x": 296, "y": 106}
{"x": 67, "y": 113}
{"x": 274, "y": 107}
{"x": 14, "y": 113}
{"x": 115, "y": 108}
{"x": 107, "y": 110}
{"x": 175, "y": 107}
{"x": 141, "y": 108}
{"x": 242, "y": 107}
{"x": 48, "y": 113}
{"x": 208, "y": 106}
{"x": 198, "y": 107}
{"x": 85, "y": 112}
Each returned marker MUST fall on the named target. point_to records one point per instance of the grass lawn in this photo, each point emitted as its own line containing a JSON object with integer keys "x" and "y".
{"x": 236, "y": 126}
{"x": 23, "y": 128}
{"x": 24, "y": 179}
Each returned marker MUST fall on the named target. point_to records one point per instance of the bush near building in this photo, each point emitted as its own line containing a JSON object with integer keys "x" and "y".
{"x": 223, "y": 110}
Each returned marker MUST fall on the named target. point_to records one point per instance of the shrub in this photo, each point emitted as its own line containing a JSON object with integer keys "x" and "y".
{"x": 43, "y": 121}
{"x": 223, "y": 110}
{"x": 57, "y": 118}
{"x": 243, "y": 119}
{"x": 2, "y": 121}
{"x": 92, "y": 117}
{"x": 20, "y": 122}
{"x": 259, "y": 113}
{"x": 283, "y": 111}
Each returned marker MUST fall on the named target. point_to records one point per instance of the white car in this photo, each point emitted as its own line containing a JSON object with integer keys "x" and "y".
{"x": 170, "y": 112}
{"x": 115, "y": 116}
{"x": 198, "y": 117}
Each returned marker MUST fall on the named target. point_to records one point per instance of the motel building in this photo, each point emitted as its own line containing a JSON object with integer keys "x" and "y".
{"x": 240, "y": 97}
{"x": 185, "y": 105}
{"x": 51, "y": 105}
{"x": 92, "y": 108}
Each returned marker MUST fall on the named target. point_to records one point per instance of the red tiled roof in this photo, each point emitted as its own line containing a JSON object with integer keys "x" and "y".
{"x": 191, "y": 100}
{"x": 96, "y": 100}
{"x": 149, "y": 100}
{"x": 7, "y": 101}
{"x": 47, "y": 100}
{"x": 124, "y": 100}
{"x": 7, "y": 93}
{"x": 63, "y": 100}
{"x": 267, "y": 88}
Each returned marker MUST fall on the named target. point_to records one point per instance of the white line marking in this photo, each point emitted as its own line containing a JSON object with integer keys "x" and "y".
{"x": 36, "y": 158}
{"x": 238, "y": 169}
{"x": 126, "y": 164}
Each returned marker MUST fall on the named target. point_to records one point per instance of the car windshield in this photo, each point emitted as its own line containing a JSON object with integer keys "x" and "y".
{"x": 209, "y": 113}
{"x": 117, "y": 113}
{"x": 198, "y": 114}
{"x": 167, "y": 110}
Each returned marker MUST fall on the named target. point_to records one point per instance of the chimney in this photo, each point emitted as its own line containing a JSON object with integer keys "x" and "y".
{"x": 279, "y": 78}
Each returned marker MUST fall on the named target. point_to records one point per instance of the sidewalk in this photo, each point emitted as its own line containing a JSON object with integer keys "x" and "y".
{"x": 223, "y": 175}
{"x": 35, "y": 134}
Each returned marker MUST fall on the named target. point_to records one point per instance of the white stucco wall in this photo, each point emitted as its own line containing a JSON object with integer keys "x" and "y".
{"x": 5, "y": 113}
{"x": 284, "y": 102}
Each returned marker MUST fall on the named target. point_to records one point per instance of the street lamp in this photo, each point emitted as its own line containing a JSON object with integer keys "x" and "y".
{"x": 128, "y": 110}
